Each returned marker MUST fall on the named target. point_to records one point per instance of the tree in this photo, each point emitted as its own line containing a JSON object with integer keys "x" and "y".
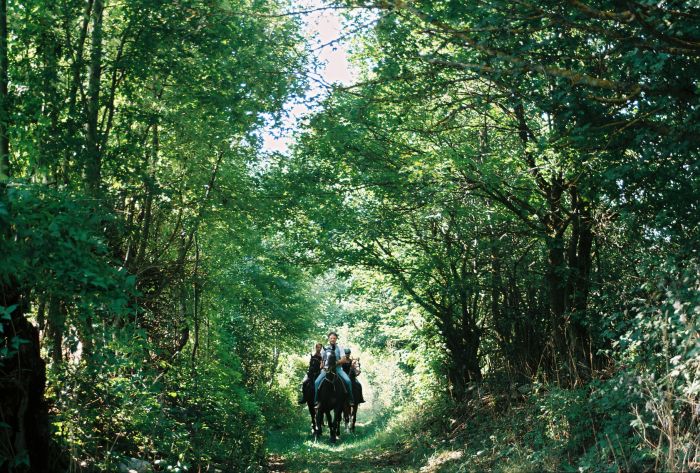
{"x": 534, "y": 109}
{"x": 135, "y": 123}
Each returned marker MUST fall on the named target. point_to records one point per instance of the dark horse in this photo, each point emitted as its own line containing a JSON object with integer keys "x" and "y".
{"x": 350, "y": 412}
{"x": 308, "y": 390}
{"x": 331, "y": 399}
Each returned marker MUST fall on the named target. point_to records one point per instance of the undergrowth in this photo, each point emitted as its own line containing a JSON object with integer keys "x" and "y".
{"x": 549, "y": 429}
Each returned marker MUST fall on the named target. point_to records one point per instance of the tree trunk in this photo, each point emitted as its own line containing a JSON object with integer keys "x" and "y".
{"x": 275, "y": 365}
{"x": 5, "y": 171}
{"x": 580, "y": 260}
{"x": 197, "y": 297}
{"x": 148, "y": 208}
{"x": 41, "y": 314}
{"x": 71, "y": 134}
{"x": 584, "y": 259}
{"x": 56, "y": 328}
{"x": 463, "y": 345}
{"x": 49, "y": 55}
{"x": 93, "y": 164}
{"x": 556, "y": 284}
{"x": 23, "y": 410}
{"x": 557, "y": 276}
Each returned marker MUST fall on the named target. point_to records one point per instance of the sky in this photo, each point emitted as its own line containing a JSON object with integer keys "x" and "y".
{"x": 324, "y": 29}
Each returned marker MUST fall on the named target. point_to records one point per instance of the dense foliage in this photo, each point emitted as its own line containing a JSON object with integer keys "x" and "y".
{"x": 527, "y": 175}
{"x": 500, "y": 218}
{"x": 133, "y": 256}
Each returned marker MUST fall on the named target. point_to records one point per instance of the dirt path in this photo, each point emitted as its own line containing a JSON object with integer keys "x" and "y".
{"x": 276, "y": 464}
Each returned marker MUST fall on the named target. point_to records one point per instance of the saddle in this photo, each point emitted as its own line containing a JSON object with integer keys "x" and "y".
{"x": 331, "y": 377}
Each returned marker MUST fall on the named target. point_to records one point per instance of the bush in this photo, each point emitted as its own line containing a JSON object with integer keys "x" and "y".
{"x": 663, "y": 348}
{"x": 176, "y": 418}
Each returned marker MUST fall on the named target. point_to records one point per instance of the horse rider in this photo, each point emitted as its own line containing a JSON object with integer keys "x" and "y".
{"x": 342, "y": 360}
{"x": 352, "y": 369}
{"x": 347, "y": 367}
{"x": 315, "y": 363}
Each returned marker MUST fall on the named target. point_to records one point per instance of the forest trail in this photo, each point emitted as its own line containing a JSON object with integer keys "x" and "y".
{"x": 373, "y": 447}
{"x": 275, "y": 464}
{"x": 294, "y": 450}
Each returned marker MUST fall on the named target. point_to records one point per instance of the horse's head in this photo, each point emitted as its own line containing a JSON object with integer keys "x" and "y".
{"x": 315, "y": 364}
{"x": 356, "y": 367}
{"x": 330, "y": 359}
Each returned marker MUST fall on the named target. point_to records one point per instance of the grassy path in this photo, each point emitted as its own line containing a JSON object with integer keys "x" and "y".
{"x": 408, "y": 444}
{"x": 295, "y": 451}
{"x": 373, "y": 448}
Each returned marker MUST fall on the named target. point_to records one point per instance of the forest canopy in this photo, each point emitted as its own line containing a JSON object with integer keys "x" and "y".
{"x": 500, "y": 214}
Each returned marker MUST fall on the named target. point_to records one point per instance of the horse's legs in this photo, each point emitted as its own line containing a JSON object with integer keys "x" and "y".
{"x": 319, "y": 422}
{"x": 338, "y": 416}
{"x": 332, "y": 418}
{"x": 331, "y": 424}
{"x": 354, "y": 417}
{"x": 312, "y": 412}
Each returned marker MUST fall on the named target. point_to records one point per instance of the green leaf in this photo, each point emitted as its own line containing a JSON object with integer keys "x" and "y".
{"x": 16, "y": 342}
{"x": 7, "y": 312}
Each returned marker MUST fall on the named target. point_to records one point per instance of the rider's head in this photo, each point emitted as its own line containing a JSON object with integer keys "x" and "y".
{"x": 318, "y": 347}
{"x": 347, "y": 352}
{"x": 332, "y": 338}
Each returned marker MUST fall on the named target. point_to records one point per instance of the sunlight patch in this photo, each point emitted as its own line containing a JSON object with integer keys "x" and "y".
{"x": 436, "y": 462}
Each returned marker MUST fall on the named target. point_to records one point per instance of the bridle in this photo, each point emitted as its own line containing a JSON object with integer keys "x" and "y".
{"x": 330, "y": 369}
